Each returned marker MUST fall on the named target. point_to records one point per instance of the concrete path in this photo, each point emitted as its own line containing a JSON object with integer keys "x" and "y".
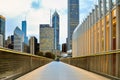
{"x": 60, "y": 71}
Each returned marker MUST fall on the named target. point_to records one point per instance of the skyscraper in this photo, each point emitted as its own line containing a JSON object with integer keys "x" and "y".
{"x": 2, "y": 28}
{"x": 24, "y": 27}
{"x": 73, "y": 20}
{"x": 46, "y": 38}
{"x": 33, "y": 45}
{"x": 55, "y": 25}
{"x": 18, "y": 39}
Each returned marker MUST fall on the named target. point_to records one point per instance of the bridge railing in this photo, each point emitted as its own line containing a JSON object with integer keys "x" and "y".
{"x": 14, "y": 64}
{"x": 106, "y": 63}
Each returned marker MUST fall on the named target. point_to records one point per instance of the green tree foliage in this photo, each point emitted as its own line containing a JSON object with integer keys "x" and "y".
{"x": 49, "y": 55}
{"x": 40, "y": 53}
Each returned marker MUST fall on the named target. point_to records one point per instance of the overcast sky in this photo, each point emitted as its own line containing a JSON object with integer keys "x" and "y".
{"x": 38, "y": 12}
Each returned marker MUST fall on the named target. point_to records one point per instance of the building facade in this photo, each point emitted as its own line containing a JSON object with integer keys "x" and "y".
{"x": 73, "y": 20}
{"x": 100, "y": 31}
{"x": 1, "y": 40}
{"x": 46, "y": 38}
{"x": 24, "y": 29}
{"x": 2, "y": 28}
{"x": 33, "y": 45}
{"x": 11, "y": 45}
{"x": 55, "y": 25}
{"x": 24, "y": 25}
{"x": 18, "y": 40}
{"x": 64, "y": 47}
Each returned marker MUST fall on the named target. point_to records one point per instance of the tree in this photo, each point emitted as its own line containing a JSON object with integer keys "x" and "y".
{"x": 40, "y": 53}
{"x": 49, "y": 55}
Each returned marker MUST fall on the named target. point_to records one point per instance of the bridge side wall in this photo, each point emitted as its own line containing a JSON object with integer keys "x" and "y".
{"x": 13, "y": 65}
{"x": 105, "y": 64}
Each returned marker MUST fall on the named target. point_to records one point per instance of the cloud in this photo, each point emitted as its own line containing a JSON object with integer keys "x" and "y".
{"x": 35, "y": 4}
{"x": 12, "y": 8}
{"x": 54, "y": 4}
{"x": 38, "y": 12}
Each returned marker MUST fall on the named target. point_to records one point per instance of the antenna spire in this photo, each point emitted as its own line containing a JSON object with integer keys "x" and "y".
{"x": 50, "y": 18}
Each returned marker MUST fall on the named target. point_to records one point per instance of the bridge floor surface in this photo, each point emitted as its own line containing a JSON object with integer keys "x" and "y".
{"x": 61, "y": 71}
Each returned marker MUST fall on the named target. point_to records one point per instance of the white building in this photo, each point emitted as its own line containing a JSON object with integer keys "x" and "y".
{"x": 1, "y": 40}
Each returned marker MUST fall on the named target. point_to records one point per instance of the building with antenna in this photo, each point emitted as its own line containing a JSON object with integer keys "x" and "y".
{"x": 55, "y": 25}
{"x": 24, "y": 29}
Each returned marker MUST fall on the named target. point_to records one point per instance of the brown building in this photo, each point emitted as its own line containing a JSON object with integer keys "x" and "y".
{"x": 33, "y": 45}
{"x": 46, "y": 38}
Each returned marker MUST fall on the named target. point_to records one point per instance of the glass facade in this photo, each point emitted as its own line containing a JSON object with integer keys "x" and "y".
{"x": 18, "y": 40}
{"x": 24, "y": 27}
{"x": 55, "y": 25}
{"x": 2, "y": 28}
{"x": 73, "y": 20}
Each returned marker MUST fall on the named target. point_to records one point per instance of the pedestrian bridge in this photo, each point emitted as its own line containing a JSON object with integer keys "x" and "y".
{"x": 24, "y": 66}
{"x": 61, "y": 71}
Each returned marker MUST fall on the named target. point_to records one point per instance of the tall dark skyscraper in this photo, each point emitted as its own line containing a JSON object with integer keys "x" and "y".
{"x": 73, "y": 20}
{"x": 24, "y": 27}
{"x": 55, "y": 25}
{"x": 2, "y": 28}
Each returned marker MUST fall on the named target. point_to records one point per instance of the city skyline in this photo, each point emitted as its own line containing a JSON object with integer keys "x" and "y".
{"x": 38, "y": 12}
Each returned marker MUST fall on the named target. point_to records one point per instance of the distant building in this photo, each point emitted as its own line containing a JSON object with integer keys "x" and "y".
{"x": 55, "y": 25}
{"x": 38, "y": 45}
{"x": 9, "y": 43}
{"x": 24, "y": 29}
{"x": 33, "y": 45}
{"x": 2, "y": 28}
{"x": 64, "y": 47}
{"x": 73, "y": 20}
{"x": 46, "y": 38}
{"x": 1, "y": 40}
{"x": 24, "y": 25}
{"x": 18, "y": 39}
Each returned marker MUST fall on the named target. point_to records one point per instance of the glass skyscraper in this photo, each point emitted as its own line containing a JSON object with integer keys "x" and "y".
{"x": 18, "y": 39}
{"x": 73, "y": 20}
{"x": 24, "y": 24}
{"x": 2, "y": 28}
{"x": 24, "y": 27}
{"x": 55, "y": 25}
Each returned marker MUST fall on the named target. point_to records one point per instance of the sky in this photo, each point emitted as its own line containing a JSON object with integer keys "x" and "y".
{"x": 37, "y": 12}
